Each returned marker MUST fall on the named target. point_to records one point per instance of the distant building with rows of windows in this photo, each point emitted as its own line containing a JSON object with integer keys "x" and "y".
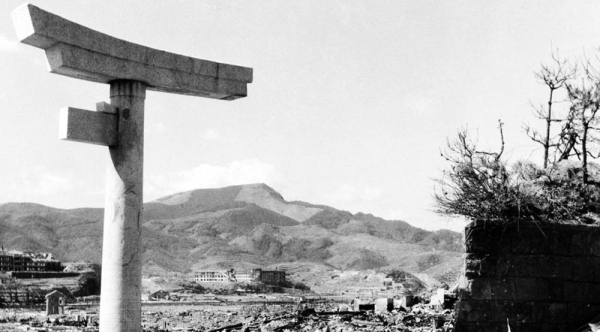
{"x": 17, "y": 261}
{"x": 212, "y": 276}
{"x": 267, "y": 277}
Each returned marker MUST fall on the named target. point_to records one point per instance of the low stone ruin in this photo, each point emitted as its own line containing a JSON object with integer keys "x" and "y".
{"x": 529, "y": 276}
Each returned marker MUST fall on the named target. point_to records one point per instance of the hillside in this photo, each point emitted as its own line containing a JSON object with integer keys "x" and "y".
{"x": 239, "y": 227}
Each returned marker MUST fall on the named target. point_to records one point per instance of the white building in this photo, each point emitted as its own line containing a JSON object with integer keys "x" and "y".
{"x": 224, "y": 276}
{"x": 243, "y": 276}
{"x": 212, "y": 276}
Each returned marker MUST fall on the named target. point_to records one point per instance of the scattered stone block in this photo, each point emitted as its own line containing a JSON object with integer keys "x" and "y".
{"x": 384, "y": 305}
{"x": 405, "y": 302}
{"x": 366, "y": 307}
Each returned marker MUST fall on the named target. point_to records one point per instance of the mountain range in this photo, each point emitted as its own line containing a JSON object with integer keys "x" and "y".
{"x": 241, "y": 227}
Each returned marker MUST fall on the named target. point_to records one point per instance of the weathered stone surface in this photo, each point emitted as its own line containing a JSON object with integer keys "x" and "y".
{"x": 546, "y": 266}
{"x": 526, "y": 289}
{"x": 480, "y": 265}
{"x": 530, "y": 241}
{"x": 77, "y": 51}
{"x": 595, "y": 246}
{"x": 550, "y": 289}
{"x": 575, "y": 314}
{"x": 560, "y": 241}
{"x": 572, "y": 291}
{"x": 106, "y": 108}
{"x": 558, "y": 312}
{"x": 473, "y": 311}
{"x": 481, "y": 289}
{"x": 522, "y": 312}
{"x": 563, "y": 267}
{"x": 485, "y": 238}
{"x": 523, "y": 265}
{"x": 121, "y": 250}
{"x": 503, "y": 289}
{"x": 583, "y": 270}
{"x": 580, "y": 244}
{"x": 478, "y": 327}
{"x": 549, "y": 273}
{"x": 595, "y": 266}
{"x": 88, "y": 127}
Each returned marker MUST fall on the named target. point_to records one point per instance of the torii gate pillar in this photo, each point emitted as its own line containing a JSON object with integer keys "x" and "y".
{"x": 130, "y": 69}
{"x": 122, "y": 247}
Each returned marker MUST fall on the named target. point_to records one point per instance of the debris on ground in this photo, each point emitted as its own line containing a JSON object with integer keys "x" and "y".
{"x": 327, "y": 317}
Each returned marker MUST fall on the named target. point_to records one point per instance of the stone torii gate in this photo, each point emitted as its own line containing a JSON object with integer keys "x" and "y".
{"x": 130, "y": 69}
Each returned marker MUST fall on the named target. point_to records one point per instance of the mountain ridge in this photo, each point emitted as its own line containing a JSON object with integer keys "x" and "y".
{"x": 242, "y": 226}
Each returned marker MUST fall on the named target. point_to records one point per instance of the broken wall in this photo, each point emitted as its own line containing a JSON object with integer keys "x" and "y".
{"x": 539, "y": 277}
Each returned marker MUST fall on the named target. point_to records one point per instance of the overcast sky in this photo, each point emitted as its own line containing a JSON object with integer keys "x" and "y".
{"x": 350, "y": 104}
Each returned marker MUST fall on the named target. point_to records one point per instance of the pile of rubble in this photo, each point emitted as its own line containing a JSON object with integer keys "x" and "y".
{"x": 26, "y": 320}
{"x": 280, "y": 318}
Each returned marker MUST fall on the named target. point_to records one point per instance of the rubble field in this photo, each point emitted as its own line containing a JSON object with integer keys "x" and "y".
{"x": 327, "y": 317}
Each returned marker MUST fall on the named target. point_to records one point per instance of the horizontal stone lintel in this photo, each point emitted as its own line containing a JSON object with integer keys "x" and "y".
{"x": 91, "y": 55}
{"x": 91, "y": 127}
{"x": 74, "y": 62}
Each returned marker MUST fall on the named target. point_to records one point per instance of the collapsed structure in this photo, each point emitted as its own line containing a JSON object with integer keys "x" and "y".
{"x": 17, "y": 261}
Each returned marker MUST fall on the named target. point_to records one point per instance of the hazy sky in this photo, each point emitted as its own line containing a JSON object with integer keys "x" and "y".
{"x": 350, "y": 104}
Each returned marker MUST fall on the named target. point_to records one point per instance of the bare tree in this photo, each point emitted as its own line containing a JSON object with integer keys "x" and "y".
{"x": 477, "y": 185}
{"x": 555, "y": 77}
{"x": 584, "y": 112}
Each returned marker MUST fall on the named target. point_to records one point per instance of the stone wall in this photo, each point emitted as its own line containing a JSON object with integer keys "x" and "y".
{"x": 539, "y": 277}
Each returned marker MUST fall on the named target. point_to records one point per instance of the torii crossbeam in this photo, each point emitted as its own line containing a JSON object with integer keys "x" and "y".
{"x": 76, "y": 51}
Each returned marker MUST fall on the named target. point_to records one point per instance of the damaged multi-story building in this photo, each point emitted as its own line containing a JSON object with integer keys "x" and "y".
{"x": 256, "y": 275}
{"x": 17, "y": 261}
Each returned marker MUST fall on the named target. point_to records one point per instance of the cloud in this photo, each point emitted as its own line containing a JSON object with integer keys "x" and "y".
{"x": 212, "y": 176}
{"x": 210, "y": 135}
{"x": 8, "y": 45}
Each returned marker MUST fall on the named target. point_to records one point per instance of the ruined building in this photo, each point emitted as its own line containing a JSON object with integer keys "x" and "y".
{"x": 257, "y": 275}
{"x": 212, "y": 276}
{"x": 268, "y": 277}
{"x": 17, "y": 261}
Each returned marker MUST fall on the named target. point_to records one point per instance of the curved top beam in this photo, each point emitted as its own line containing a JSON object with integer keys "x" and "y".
{"x": 80, "y": 52}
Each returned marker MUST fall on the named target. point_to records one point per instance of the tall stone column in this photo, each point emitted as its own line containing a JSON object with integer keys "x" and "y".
{"x": 122, "y": 249}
